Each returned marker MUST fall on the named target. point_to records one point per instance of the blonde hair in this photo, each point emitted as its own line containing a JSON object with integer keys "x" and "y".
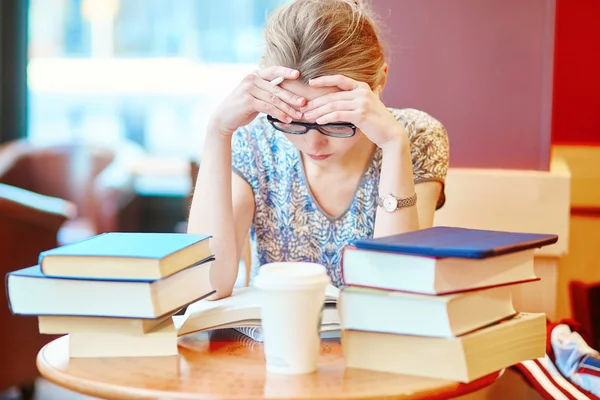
{"x": 325, "y": 37}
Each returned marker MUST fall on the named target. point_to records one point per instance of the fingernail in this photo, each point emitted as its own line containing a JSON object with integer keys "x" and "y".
{"x": 298, "y": 114}
{"x": 300, "y": 100}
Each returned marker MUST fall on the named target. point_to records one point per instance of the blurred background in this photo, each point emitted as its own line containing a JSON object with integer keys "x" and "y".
{"x": 138, "y": 78}
{"x": 148, "y": 71}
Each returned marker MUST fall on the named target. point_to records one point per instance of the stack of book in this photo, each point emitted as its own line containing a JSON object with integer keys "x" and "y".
{"x": 115, "y": 294}
{"x": 437, "y": 302}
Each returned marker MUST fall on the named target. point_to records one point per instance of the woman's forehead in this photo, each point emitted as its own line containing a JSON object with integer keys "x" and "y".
{"x": 302, "y": 89}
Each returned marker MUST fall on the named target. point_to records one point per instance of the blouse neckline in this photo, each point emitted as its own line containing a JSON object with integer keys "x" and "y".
{"x": 359, "y": 184}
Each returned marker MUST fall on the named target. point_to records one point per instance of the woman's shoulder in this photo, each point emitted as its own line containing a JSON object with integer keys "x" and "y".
{"x": 259, "y": 136}
{"x": 418, "y": 122}
{"x": 254, "y": 131}
{"x": 259, "y": 146}
{"x": 259, "y": 133}
{"x": 425, "y": 132}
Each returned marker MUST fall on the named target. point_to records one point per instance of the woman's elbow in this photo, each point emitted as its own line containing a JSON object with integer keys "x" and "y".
{"x": 222, "y": 281}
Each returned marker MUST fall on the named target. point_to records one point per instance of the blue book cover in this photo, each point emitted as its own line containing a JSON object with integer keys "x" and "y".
{"x": 128, "y": 245}
{"x": 444, "y": 241}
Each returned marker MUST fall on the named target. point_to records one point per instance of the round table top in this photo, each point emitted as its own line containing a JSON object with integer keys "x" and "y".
{"x": 224, "y": 364}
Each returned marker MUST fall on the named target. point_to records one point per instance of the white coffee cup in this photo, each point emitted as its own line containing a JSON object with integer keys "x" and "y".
{"x": 292, "y": 295}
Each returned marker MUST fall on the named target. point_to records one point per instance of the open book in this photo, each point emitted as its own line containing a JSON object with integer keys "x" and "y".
{"x": 241, "y": 311}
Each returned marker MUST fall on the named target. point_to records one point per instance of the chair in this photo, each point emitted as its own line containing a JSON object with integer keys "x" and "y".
{"x": 246, "y": 252}
{"x": 29, "y": 224}
{"x": 585, "y": 308}
{"x": 95, "y": 178}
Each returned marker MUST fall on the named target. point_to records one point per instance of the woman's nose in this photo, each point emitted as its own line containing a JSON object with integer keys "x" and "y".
{"x": 315, "y": 140}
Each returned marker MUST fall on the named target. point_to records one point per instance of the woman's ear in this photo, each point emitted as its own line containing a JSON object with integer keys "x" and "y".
{"x": 384, "y": 75}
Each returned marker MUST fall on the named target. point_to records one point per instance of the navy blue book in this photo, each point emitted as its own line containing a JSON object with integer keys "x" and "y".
{"x": 444, "y": 241}
{"x": 443, "y": 260}
{"x": 127, "y": 255}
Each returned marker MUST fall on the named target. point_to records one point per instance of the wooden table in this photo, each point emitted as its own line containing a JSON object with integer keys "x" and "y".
{"x": 225, "y": 365}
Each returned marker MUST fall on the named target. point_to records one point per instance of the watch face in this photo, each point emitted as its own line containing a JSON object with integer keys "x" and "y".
{"x": 390, "y": 203}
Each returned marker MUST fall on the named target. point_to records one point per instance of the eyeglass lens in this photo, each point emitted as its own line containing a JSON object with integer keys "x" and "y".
{"x": 333, "y": 130}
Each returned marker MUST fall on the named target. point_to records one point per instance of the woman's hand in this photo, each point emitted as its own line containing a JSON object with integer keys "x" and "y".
{"x": 357, "y": 104}
{"x": 257, "y": 94}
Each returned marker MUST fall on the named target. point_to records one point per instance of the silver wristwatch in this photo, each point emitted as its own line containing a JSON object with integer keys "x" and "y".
{"x": 391, "y": 203}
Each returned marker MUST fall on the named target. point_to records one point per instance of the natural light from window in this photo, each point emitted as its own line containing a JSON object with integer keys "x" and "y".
{"x": 147, "y": 71}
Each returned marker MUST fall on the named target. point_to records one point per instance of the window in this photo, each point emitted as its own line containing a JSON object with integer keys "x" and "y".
{"x": 148, "y": 71}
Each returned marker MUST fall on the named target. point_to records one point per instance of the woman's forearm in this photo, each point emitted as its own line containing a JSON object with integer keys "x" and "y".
{"x": 396, "y": 178}
{"x": 212, "y": 211}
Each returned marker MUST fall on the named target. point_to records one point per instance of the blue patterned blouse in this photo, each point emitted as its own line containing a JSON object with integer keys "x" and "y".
{"x": 288, "y": 223}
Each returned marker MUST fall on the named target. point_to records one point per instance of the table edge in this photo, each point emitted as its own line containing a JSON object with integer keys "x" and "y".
{"x": 117, "y": 392}
{"x": 95, "y": 389}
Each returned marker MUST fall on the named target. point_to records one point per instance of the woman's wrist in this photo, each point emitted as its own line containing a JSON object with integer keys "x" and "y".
{"x": 214, "y": 128}
{"x": 217, "y": 140}
{"x": 399, "y": 144}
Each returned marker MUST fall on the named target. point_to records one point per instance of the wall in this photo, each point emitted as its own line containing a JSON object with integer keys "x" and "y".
{"x": 483, "y": 67}
{"x": 576, "y": 137}
{"x": 577, "y": 81}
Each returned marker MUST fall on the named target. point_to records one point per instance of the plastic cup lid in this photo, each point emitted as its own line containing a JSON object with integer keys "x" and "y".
{"x": 291, "y": 275}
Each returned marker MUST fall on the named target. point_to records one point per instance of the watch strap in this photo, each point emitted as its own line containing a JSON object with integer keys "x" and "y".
{"x": 408, "y": 201}
{"x": 401, "y": 202}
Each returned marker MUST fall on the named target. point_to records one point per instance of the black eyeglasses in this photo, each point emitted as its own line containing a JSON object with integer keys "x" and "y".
{"x": 341, "y": 130}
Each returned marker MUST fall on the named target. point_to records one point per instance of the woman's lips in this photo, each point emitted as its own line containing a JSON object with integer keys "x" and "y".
{"x": 319, "y": 157}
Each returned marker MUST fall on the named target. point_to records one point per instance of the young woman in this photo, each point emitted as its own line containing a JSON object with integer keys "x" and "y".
{"x": 317, "y": 161}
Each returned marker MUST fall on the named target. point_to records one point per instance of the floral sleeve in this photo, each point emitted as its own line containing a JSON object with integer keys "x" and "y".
{"x": 429, "y": 147}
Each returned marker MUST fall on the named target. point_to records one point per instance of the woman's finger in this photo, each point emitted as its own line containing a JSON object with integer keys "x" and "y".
{"x": 270, "y": 109}
{"x": 279, "y": 109}
{"x": 341, "y": 81}
{"x": 285, "y": 95}
{"x": 344, "y": 105}
{"x": 327, "y": 99}
{"x": 338, "y": 116}
{"x": 277, "y": 71}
